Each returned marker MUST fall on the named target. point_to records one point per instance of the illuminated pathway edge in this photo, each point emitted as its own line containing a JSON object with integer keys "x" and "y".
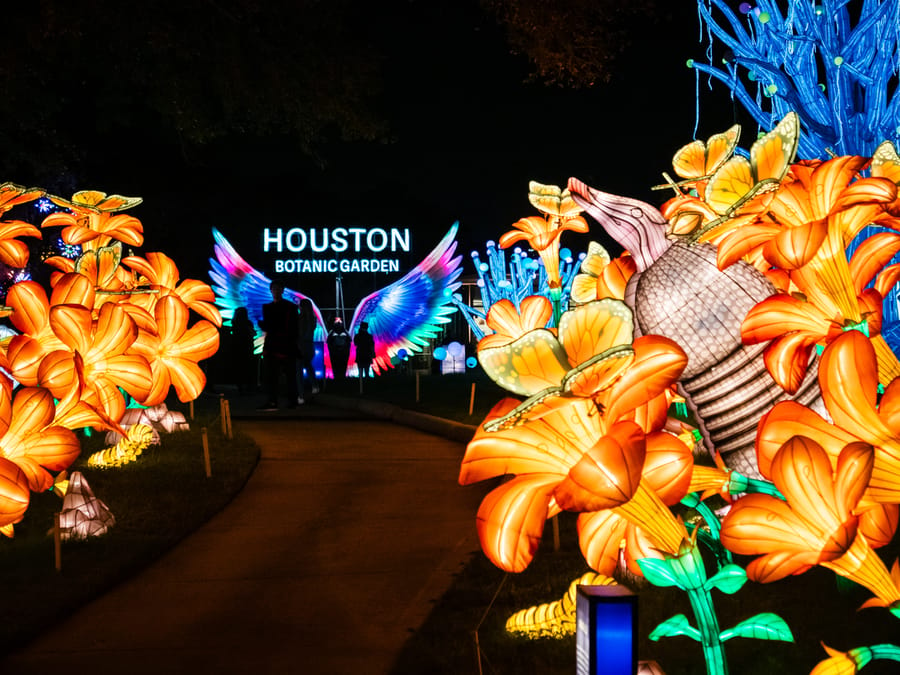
{"x": 337, "y": 547}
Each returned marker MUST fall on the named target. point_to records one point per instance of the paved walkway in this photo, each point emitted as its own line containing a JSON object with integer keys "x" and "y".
{"x": 330, "y": 557}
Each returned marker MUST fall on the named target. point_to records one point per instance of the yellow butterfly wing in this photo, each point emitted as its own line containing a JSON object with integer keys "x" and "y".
{"x": 100, "y": 265}
{"x": 594, "y": 328}
{"x": 730, "y": 185}
{"x": 528, "y": 365}
{"x": 740, "y": 179}
{"x": 886, "y": 162}
{"x": 700, "y": 160}
{"x": 584, "y": 285}
{"x": 597, "y": 338}
{"x": 552, "y": 200}
{"x": 550, "y": 401}
{"x": 720, "y": 147}
{"x": 771, "y": 155}
{"x": 596, "y": 260}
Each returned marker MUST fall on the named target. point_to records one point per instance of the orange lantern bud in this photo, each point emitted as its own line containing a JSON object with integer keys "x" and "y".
{"x": 608, "y": 474}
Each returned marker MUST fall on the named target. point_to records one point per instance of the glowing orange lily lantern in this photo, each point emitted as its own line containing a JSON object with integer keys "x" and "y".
{"x": 598, "y": 403}
{"x": 103, "y": 329}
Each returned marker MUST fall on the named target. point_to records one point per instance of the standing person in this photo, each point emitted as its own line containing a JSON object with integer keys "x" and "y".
{"x": 243, "y": 358}
{"x": 365, "y": 349}
{"x": 307, "y": 347}
{"x": 338, "y": 342}
{"x": 279, "y": 321}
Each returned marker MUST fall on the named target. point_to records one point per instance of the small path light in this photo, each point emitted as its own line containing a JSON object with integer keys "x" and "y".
{"x": 606, "y": 630}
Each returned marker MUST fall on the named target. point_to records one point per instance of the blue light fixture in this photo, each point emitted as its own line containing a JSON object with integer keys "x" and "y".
{"x": 606, "y": 630}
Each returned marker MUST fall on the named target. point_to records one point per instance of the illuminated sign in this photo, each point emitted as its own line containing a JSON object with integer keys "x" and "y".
{"x": 362, "y": 248}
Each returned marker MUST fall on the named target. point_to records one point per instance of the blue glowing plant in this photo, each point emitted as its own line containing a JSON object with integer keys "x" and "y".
{"x": 513, "y": 276}
{"x": 810, "y": 58}
{"x": 837, "y": 66}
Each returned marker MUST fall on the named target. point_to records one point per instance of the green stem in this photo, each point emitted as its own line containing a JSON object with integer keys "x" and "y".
{"x": 708, "y": 624}
{"x": 723, "y": 555}
{"x": 556, "y": 300}
{"x": 862, "y": 655}
{"x": 690, "y": 575}
{"x": 740, "y": 483}
{"x": 712, "y": 520}
{"x": 711, "y": 539}
{"x": 763, "y": 487}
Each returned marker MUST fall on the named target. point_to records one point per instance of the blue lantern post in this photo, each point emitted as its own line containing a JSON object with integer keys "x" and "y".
{"x": 606, "y": 630}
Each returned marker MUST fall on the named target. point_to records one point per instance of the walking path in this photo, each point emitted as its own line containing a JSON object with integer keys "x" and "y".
{"x": 334, "y": 552}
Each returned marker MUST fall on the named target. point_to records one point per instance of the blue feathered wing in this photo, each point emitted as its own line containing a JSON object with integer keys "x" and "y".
{"x": 405, "y": 314}
{"x": 237, "y": 284}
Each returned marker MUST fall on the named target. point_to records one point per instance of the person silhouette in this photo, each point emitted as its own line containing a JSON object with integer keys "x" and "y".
{"x": 365, "y": 349}
{"x": 338, "y": 342}
{"x": 280, "y": 323}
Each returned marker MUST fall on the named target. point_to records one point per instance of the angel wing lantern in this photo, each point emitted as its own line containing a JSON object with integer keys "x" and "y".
{"x": 402, "y": 315}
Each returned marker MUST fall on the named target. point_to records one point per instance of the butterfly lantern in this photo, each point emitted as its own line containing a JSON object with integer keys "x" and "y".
{"x": 722, "y": 190}
{"x": 401, "y": 316}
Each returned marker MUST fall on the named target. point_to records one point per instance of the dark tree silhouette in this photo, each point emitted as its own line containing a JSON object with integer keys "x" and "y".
{"x": 192, "y": 71}
{"x": 574, "y": 43}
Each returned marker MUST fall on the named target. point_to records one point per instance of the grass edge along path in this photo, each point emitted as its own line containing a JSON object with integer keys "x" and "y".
{"x": 157, "y": 501}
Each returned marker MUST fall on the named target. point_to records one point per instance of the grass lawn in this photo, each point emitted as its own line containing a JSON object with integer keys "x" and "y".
{"x": 156, "y": 500}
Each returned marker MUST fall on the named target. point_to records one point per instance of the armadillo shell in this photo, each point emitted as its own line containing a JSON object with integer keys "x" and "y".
{"x": 684, "y": 296}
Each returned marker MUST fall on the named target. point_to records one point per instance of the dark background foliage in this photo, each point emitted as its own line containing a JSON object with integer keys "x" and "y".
{"x": 246, "y": 113}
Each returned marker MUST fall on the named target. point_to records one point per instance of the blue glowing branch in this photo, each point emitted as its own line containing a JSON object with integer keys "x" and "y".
{"x": 474, "y": 317}
{"x": 841, "y": 79}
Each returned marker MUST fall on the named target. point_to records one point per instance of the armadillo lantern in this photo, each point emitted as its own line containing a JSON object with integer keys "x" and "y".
{"x": 679, "y": 292}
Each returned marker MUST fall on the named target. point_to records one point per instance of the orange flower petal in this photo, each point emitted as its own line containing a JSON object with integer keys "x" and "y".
{"x": 658, "y": 363}
{"x": 31, "y": 307}
{"x": 511, "y": 520}
{"x": 24, "y": 355}
{"x": 59, "y": 373}
{"x": 788, "y": 419}
{"x": 796, "y": 246}
{"x": 73, "y": 289}
{"x": 879, "y": 523}
{"x": 187, "y": 378}
{"x": 73, "y": 325}
{"x": 871, "y": 256}
{"x": 783, "y": 313}
{"x": 14, "y": 493}
{"x": 668, "y": 467}
{"x": 600, "y": 534}
{"x": 787, "y": 360}
{"x": 738, "y": 243}
{"x": 761, "y": 524}
{"x": 552, "y": 444}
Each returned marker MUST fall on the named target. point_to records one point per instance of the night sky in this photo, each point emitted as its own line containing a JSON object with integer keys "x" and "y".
{"x": 468, "y": 133}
